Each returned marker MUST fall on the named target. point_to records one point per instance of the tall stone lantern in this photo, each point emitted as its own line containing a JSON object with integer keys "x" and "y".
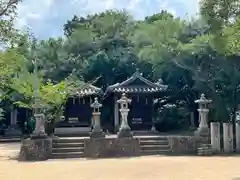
{"x": 203, "y": 129}
{"x": 97, "y": 130}
{"x": 39, "y": 130}
{"x": 124, "y": 130}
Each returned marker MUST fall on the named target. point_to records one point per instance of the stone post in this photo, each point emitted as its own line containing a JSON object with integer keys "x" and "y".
{"x": 237, "y": 137}
{"x": 203, "y": 129}
{"x": 215, "y": 137}
{"x": 124, "y": 130}
{"x": 97, "y": 130}
{"x": 227, "y": 137}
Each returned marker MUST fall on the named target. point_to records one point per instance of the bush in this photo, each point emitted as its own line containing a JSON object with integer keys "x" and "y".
{"x": 171, "y": 117}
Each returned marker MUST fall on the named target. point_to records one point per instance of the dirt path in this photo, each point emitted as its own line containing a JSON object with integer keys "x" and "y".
{"x": 141, "y": 168}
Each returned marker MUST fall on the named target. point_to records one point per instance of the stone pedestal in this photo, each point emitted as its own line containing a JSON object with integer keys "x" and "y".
{"x": 97, "y": 131}
{"x": 125, "y": 130}
{"x": 215, "y": 137}
{"x": 111, "y": 147}
{"x": 227, "y": 137}
{"x": 203, "y": 129}
{"x": 237, "y": 137}
{"x": 35, "y": 149}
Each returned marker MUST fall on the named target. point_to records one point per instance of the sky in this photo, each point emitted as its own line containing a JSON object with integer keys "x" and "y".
{"x": 45, "y": 18}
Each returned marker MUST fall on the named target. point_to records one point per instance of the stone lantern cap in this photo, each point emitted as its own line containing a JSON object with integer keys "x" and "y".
{"x": 96, "y": 105}
{"x": 124, "y": 101}
{"x": 203, "y": 100}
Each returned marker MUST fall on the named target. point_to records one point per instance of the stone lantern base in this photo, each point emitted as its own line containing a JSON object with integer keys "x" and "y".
{"x": 39, "y": 136}
{"x": 97, "y": 134}
{"x": 204, "y": 132}
{"x": 124, "y": 133}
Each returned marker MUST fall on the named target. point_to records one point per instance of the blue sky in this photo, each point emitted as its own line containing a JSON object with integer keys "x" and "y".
{"x": 45, "y": 18}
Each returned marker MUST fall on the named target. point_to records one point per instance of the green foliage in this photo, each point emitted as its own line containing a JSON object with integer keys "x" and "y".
{"x": 171, "y": 117}
{"x": 7, "y": 15}
{"x": 192, "y": 57}
{"x": 53, "y": 96}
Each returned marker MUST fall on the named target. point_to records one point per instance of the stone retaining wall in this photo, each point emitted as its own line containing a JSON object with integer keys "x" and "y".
{"x": 35, "y": 149}
{"x": 111, "y": 147}
{"x": 186, "y": 144}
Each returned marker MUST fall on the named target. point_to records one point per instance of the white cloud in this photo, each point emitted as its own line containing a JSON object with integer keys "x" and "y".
{"x": 46, "y": 17}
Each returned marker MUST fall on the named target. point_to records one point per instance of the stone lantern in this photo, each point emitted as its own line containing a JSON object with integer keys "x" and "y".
{"x": 124, "y": 130}
{"x": 203, "y": 129}
{"x": 97, "y": 130}
{"x": 39, "y": 130}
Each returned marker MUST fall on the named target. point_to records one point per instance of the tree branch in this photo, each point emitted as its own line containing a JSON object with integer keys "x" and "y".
{"x": 9, "y": 4}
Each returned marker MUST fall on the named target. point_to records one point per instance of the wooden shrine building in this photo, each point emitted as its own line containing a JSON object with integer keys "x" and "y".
{"x": 78, "y": 111}
{"x": 142, "y": 92}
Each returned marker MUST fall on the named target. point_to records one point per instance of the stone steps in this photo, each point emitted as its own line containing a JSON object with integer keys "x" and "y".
{"x": 74, "y": 147}
{"x": 68, "y": 145}
{"x": 67, "y": 155}
{"x": 10, "y": 140}
{"x": 68, "y": 148}
{"x": 154, "y": 145}
{"x": 153, "y": 142}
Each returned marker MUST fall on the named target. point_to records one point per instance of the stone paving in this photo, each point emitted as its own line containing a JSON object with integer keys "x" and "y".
{"x": 137, "y": 168}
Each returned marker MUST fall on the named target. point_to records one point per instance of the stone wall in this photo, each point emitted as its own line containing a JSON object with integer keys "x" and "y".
{"x": 111, "y": 147}
{"x": 35, "y": 149}
{"x": 186, "y": 144}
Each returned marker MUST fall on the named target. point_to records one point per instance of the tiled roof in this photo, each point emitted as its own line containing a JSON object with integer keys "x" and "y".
{"x": 86, "y": 90}
{"x": 136, "y": 89}
{"x": 129, "y": 87}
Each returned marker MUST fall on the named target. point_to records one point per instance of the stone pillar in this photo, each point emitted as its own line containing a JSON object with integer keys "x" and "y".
{"x": 116, "y": 115}
{"x": 215, "y": 137}
{"x": 125, "y": 130}
{"x": 97, "y": 130}
{"x": 227, "y": 137}
{"x": 237, "y": 137}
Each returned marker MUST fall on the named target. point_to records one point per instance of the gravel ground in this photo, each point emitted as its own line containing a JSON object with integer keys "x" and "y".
{"x": 140, "y": 168}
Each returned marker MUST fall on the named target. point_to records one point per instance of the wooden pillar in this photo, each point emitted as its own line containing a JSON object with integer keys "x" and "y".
{"x": 116, "y": 114}
{"x": 152, "y": 112}
{"x": 13, "y": 120}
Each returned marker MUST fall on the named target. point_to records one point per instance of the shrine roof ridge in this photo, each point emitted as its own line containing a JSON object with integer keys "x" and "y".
{"x": 86, "y": 90}
{"x": 127, "y": 87}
